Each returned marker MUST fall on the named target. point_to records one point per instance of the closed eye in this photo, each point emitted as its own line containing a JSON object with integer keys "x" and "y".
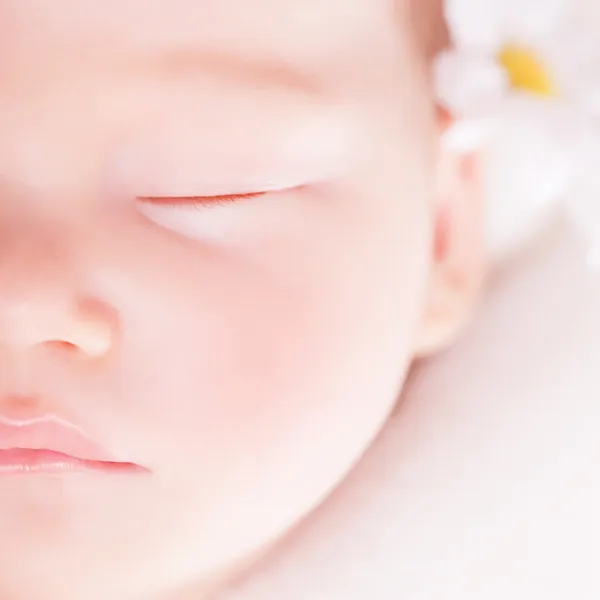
{"x": 201, "y": 200}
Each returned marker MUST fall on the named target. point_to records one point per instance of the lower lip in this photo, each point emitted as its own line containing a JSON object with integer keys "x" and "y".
{"x": 22, "y": 461}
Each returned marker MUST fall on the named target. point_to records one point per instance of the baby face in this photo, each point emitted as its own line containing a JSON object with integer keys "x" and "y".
{"x": 215, "y": 255}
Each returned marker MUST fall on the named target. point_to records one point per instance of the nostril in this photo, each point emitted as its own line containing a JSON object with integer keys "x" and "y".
{"x": 62, "y": 346}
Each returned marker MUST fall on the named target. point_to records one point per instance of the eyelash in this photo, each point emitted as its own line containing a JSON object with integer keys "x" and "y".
{"x": 203, "y": 200}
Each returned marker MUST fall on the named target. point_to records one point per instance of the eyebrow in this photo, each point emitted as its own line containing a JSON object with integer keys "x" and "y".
{"x": 251, "y": 72}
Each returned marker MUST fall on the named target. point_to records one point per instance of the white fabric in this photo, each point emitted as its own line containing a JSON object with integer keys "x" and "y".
{"x": 486, "y": 483}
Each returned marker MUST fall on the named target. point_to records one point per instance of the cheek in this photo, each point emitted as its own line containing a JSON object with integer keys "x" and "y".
{"x": 270, "y": 334}
{"x": 261, "y": 373}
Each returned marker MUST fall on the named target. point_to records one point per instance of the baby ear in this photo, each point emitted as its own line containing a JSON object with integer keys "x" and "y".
{"x": 458, "y": 263}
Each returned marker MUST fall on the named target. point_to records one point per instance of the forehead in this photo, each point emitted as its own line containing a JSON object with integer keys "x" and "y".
{"x": 110, "y": 67}
{"x": 293, "y": 29}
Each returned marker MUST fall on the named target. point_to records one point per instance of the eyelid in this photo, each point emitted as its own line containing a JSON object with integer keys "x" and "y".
{"x": 173, "y": 161}
{"x": 202, "y": 200}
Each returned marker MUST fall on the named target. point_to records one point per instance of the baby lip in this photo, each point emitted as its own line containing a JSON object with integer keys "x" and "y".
{"x": 49, "y": 432}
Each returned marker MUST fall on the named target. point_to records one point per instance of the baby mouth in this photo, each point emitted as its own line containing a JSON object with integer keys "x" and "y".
{"x": 48, "y": 444}
{"x": 22, "y": 461}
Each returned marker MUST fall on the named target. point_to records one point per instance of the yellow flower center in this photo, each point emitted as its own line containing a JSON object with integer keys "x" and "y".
{"x": 526, "y": 71}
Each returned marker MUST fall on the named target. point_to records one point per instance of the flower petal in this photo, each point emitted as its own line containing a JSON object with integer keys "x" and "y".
{"x": 489, "y": 24}
{"x": 477, "y": 23}
{"x": 465, "y": 80}
{"x": 536, "y": 19}
{"x": 468, "y": 135}
{"x": 528, "y": 168}
{"x": 583, "y": 208}
{"x": 583, "y": 201}
{"x": 573, "y": 63}
{"x": 582, "y": 15}
{"x": 591, "y": 100}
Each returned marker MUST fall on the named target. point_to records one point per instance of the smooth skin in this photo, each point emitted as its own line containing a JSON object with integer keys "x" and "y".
{"x": 226, "y": 230}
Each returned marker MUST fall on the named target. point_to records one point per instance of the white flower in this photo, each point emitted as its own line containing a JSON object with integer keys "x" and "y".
{"x": 522, "y": 81}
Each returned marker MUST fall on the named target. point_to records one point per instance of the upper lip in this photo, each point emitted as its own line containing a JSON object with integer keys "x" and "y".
{"x": 50, "y": 432}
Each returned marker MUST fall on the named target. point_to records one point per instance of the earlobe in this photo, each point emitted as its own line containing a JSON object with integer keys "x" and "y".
{"x": 458, "y": 261}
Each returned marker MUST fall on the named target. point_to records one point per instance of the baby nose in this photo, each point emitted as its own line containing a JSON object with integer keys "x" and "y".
{"x": 43, "y": 302}
{"x": 86, "y": 327}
